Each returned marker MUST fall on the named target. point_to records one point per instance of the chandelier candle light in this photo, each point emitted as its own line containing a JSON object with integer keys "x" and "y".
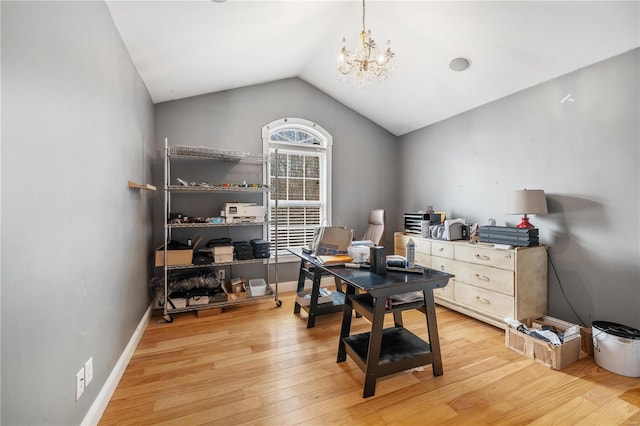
{"x": 365, "y": 63}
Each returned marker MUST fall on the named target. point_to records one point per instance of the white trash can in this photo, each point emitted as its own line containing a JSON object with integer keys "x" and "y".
{"x": 616, "y": 348}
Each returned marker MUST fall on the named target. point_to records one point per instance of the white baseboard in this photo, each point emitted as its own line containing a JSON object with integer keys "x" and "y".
{"x": 104, "y": 396}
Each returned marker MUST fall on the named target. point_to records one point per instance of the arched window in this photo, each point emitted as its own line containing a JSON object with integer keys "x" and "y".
{"x": 299, "y": 175}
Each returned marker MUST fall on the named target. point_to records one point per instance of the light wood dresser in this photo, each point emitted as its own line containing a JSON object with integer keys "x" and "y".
{"x": 490, "y": 284}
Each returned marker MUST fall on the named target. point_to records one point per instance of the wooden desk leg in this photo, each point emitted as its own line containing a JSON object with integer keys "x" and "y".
{"x": 301, "y": 278}
{"x": 338, "y": 282}
{"x": 432, "y": 328}
{"x": 315, "y": 292}
{"x": 375, "y": 342}
{"x": 345, "y": 329}
{"x": 397, "y": 319}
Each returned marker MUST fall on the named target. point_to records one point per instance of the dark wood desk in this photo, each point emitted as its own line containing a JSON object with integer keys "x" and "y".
{"x": 382, "y": 352}
{"x": 309, "y": 269}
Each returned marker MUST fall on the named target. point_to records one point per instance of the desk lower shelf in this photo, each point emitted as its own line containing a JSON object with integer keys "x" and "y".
{"x": 336, "y": 304}
{"x": 400, "y": 350}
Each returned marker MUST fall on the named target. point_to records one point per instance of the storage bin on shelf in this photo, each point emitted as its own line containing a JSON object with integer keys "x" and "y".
{"x": 257, "y": 287}
{"x": 234, "y": 287}
{"x": 178, "y": 302}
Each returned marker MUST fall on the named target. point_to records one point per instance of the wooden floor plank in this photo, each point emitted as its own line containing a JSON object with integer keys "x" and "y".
{"x": 258, "y": 364}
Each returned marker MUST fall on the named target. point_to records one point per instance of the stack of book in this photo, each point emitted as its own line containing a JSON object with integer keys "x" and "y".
{"x": 518, "y": 237}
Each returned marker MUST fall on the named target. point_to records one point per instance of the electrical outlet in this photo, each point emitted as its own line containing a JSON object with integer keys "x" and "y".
{"x": 79, "y": 383}
{"x": 88, "y": 372}
{"x": 221, "y": 274}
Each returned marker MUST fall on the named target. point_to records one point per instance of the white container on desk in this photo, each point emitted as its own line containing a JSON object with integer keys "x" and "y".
{"x": 411, "y": 253}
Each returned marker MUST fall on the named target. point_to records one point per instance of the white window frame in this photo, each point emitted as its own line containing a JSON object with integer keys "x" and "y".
{"x": 324, "y": 149}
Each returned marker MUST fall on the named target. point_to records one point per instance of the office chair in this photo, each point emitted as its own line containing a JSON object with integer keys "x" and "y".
{"x": 375, "y": 229}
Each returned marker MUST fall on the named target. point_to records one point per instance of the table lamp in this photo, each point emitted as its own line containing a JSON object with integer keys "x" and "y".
{"x": 526, "y": 201}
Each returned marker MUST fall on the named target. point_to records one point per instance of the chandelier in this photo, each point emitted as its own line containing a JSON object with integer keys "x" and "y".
{"x": 366, "y": 63}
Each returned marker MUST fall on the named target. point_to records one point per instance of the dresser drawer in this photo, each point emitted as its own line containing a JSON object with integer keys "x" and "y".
{"x": 484, "y": 300}
{"x": 484, "y": 256}
{"x": 423, "y": 260}
{"x": 448, "y": 291}
{"x": 442, "y": 249}
{"x": 399, "y": 242}
{"x": 445, "y": 265}
{"x": 494, "y": 279}
{"x": 422, "y": 246}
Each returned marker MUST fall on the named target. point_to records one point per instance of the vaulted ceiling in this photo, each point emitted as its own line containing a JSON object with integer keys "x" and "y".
{"x": 187, "y": 48}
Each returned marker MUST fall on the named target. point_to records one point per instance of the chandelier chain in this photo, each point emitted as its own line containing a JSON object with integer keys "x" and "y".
{"x": 364, "y": 27}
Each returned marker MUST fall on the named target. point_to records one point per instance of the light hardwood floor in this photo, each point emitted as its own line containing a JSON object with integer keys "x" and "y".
{"x": 258, "y": 364}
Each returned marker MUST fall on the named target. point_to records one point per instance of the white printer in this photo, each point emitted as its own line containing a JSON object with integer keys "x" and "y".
{"x": 243, "y": 213}
{"x": 455, "y": 229}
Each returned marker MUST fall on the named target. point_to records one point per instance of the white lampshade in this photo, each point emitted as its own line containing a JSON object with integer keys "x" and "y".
{"x": 527, "y": 201}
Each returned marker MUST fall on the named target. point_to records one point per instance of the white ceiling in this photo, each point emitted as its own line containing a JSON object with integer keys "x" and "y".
{"x": 187, "y": 48}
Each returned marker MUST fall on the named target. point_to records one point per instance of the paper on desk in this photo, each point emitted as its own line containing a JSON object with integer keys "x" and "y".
{"x": 335, "y": 259}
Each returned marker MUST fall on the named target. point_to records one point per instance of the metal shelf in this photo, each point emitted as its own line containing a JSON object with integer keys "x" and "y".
{"x": 208, "y": 265}
{"x": 178, "y": 152}
{"x": 205, "y": 153}
{"x": 269, "y": 294}
{"x": 216, "y": 188}
{"x": 213, "y": 225}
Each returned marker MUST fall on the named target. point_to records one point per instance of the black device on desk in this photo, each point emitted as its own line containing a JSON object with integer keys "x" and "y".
{"x": 378, "y": 260}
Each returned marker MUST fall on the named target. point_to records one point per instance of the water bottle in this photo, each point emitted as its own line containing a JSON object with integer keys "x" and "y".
{"x": 411, "y": 253}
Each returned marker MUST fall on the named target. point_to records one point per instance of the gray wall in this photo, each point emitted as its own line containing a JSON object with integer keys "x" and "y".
{"x": 583, "y": 153}
{"x": 77, "y": 123}
{"x": 364, "y": 155}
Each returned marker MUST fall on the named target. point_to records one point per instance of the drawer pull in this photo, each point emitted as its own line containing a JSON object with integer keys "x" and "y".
{"x": 441, "y": 249}
{"x": 483, "y": 277}
{"x": 482, "y": 256}
{"x": 483, "y": 300}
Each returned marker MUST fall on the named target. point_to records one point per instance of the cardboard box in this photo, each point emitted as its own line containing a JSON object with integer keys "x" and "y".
{"x": 234, "y": 288}
{"x": 586, "y": 333}
{"x": 177, "y": 257}
{"x": 555, "y": 357}
{"x": 222, "y": 254}
{"x": 223, "y": 258}
{"x": 174, "y": 257}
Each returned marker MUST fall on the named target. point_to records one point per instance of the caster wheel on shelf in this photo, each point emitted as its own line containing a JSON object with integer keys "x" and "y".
{"x": 278, "y": 303}
{"x": 168, "y": 318}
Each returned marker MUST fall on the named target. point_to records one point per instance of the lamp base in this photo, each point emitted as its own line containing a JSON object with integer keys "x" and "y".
{"x": 525, "y": 223}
